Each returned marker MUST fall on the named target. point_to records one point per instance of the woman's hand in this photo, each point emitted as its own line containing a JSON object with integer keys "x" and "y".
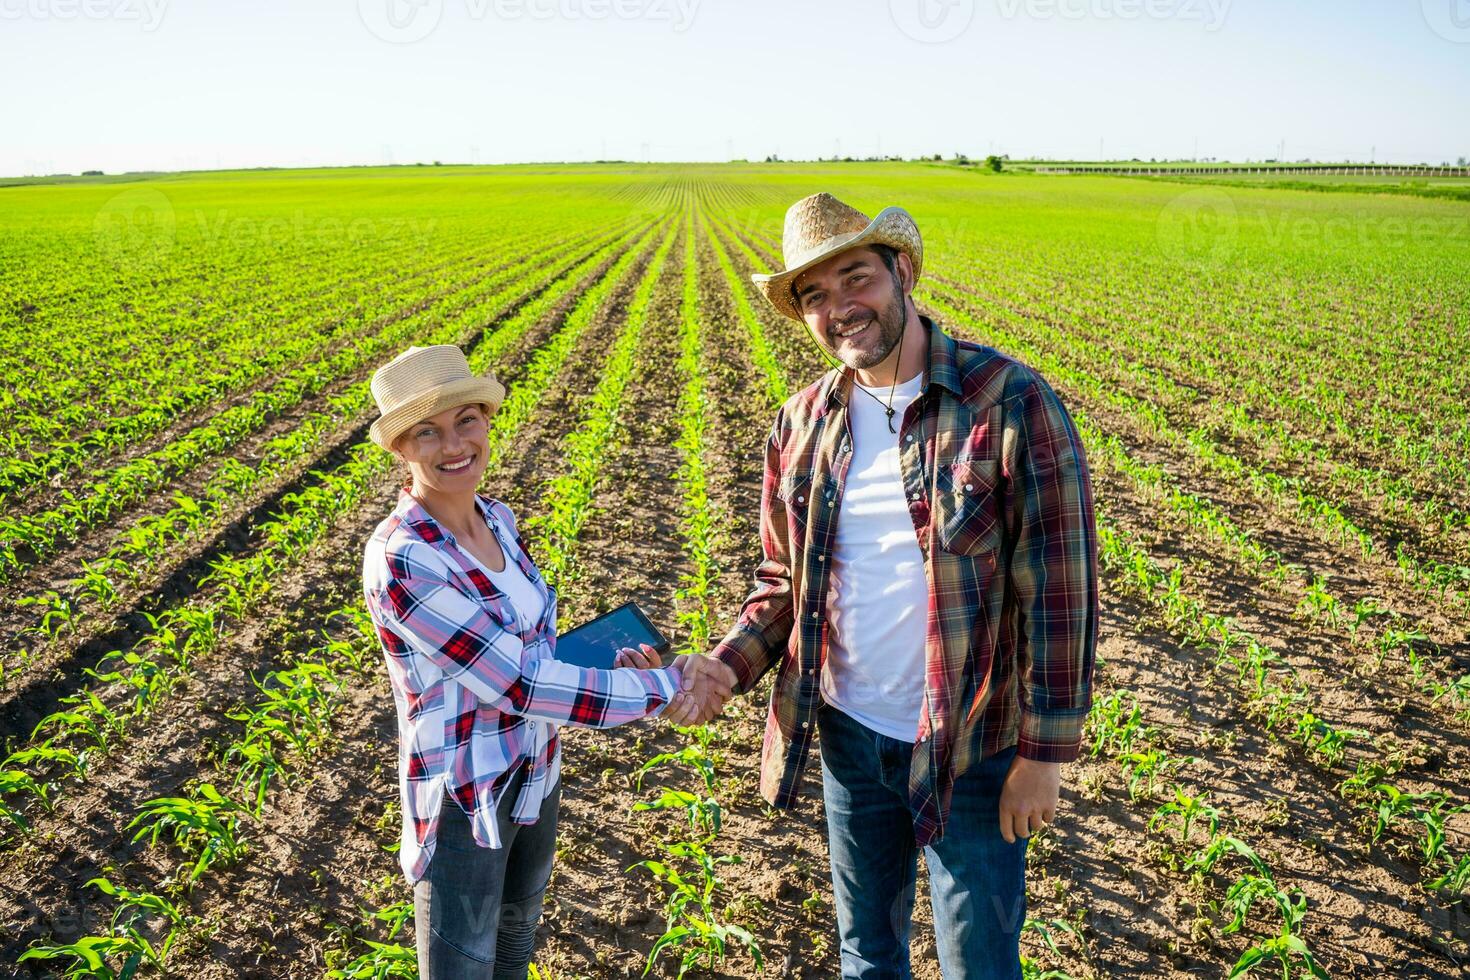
{"x": 645, "y": 658}
{"x": 684, "y": 708}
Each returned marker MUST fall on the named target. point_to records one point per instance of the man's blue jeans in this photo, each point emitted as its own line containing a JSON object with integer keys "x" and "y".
{"x": 977, "y": 882}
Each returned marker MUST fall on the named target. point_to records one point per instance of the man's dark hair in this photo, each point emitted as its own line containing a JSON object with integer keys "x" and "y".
{"x": 889, "y": 255}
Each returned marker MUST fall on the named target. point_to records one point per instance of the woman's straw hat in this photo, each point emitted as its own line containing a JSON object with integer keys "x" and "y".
{"x": 424, "y": 381}
{"x": 820, "y": 226}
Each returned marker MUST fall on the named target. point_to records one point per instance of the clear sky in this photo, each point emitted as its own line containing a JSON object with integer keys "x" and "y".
{"x": 181, "y": 84}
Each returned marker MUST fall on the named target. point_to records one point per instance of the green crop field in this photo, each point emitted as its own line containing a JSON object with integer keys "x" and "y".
{"x": 198, "y": 772}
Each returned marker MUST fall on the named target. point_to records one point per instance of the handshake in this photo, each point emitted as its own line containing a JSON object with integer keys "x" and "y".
{"x": 707, "y": 684}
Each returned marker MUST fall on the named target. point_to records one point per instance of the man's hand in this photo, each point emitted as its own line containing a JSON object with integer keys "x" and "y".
{"x": 708, "y": 683}
{"x": 1028, "y": 801}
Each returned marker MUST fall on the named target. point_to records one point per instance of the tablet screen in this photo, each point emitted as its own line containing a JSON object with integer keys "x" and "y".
{"x": 596, "y": 643}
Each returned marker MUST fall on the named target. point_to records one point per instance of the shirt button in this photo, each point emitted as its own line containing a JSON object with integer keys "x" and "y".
{"x": 814, "y": 614}
{"x": 969, "y": 487}
{"x": 821, "y": 558}
{"x": 801, "y": 500}
{"x": 909, "y": 438}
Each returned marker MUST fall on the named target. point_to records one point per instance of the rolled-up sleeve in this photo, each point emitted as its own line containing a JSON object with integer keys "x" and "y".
{"x": 763, "y": 628}
{"x": 439, "y": 622}
{"x": 1053, "y": 575}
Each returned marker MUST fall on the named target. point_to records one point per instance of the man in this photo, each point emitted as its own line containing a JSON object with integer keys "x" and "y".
{"x": 928, "y": 596}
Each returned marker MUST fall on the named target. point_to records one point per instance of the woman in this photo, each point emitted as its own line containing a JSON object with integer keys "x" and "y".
{"x": 468, "y": 628}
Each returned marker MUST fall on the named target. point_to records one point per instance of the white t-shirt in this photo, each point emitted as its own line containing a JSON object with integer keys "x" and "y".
{"x": 524, "y": 597}
{"x": 878, "y": 596}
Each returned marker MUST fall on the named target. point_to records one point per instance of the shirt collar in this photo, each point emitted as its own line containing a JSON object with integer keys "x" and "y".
{"x": 942, "y": 368}
{"x": 412, "y": 513}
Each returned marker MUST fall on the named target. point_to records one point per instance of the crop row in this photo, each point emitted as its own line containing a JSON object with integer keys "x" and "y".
{"x": 138, "y": 680}
{"x": 262, "y": 355}
{"x": 140, "y": 548}
{"x": 29, "y": 538}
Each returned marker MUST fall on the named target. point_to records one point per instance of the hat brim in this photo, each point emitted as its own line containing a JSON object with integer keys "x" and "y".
{"x": 468, "y": 391}
{"x": 892, "y": 226}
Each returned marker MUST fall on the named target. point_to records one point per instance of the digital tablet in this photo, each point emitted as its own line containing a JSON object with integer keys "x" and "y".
{"x": 596, "y": 643}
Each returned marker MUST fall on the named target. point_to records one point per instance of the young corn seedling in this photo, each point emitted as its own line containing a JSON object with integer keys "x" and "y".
{"x": 1287, "y": 948}
{"x": 1322, "y": 739}
{"x": 258, "y": 764}
{"x": 201, "y": 632}
{"x": 127, "y": 942}
{"x": 1117, "y": 722}
{"x": 382, "y": 961}
{"x": 239, "y": 589}
{"x": 703, "y": 812}
{"x": 18, "y": 783}
{"x": 1458, "y": 691}
{"x": 1183, "y": 811}
{"x": 692, "y": 925}
{"x": 100, "y": 580}
{"x": 1145, "y": 770}
{"x": 1032, "y": 969}
{"x": 57, "y": 613}
{"x": 90, "y": 721}
{"x": 693, "y": 756}
{"x": 1455, "y": 881}
{"x": 1320, "y": 603}
{"x": 67, "y": 762}
{"x": 204, "y": 826}
{"x": 1364, "y": 610}
{"x": 148, "y": 681}
{"x": 1394, "y": 804}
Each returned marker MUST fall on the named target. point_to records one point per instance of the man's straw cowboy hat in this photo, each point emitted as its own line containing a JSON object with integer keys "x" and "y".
{"x": 820, "y": 226}
{"x": 422, "y": 382}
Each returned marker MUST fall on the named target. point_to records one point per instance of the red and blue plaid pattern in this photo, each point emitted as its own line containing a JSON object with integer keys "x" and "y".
{"x": 1001, "y": 504}
{"x": 477, "y": 689}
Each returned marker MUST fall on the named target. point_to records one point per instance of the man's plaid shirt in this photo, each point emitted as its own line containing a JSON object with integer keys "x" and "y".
{"x": 1001, "y": 504}
{"x": 477, "y": 689}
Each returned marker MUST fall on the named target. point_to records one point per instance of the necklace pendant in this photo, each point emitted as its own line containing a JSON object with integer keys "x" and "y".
{"x": 890, "y": 419}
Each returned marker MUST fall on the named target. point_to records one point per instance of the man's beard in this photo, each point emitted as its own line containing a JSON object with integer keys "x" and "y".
{"x": 889, "y": 321}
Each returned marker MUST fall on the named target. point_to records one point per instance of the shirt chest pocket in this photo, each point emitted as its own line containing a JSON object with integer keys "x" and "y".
{"x": 967, "y": 507}
{"x": 477, "y": 586}
{"x": 796, "y": 491}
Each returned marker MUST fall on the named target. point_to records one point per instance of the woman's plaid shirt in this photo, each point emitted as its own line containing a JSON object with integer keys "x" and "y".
{"x": 477, "y": 689}
{"x": 1001, "y": 504}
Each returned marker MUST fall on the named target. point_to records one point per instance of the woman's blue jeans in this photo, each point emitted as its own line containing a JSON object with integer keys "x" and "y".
{"x": 977, "y": 882}
{"x": 476, "y": 911}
